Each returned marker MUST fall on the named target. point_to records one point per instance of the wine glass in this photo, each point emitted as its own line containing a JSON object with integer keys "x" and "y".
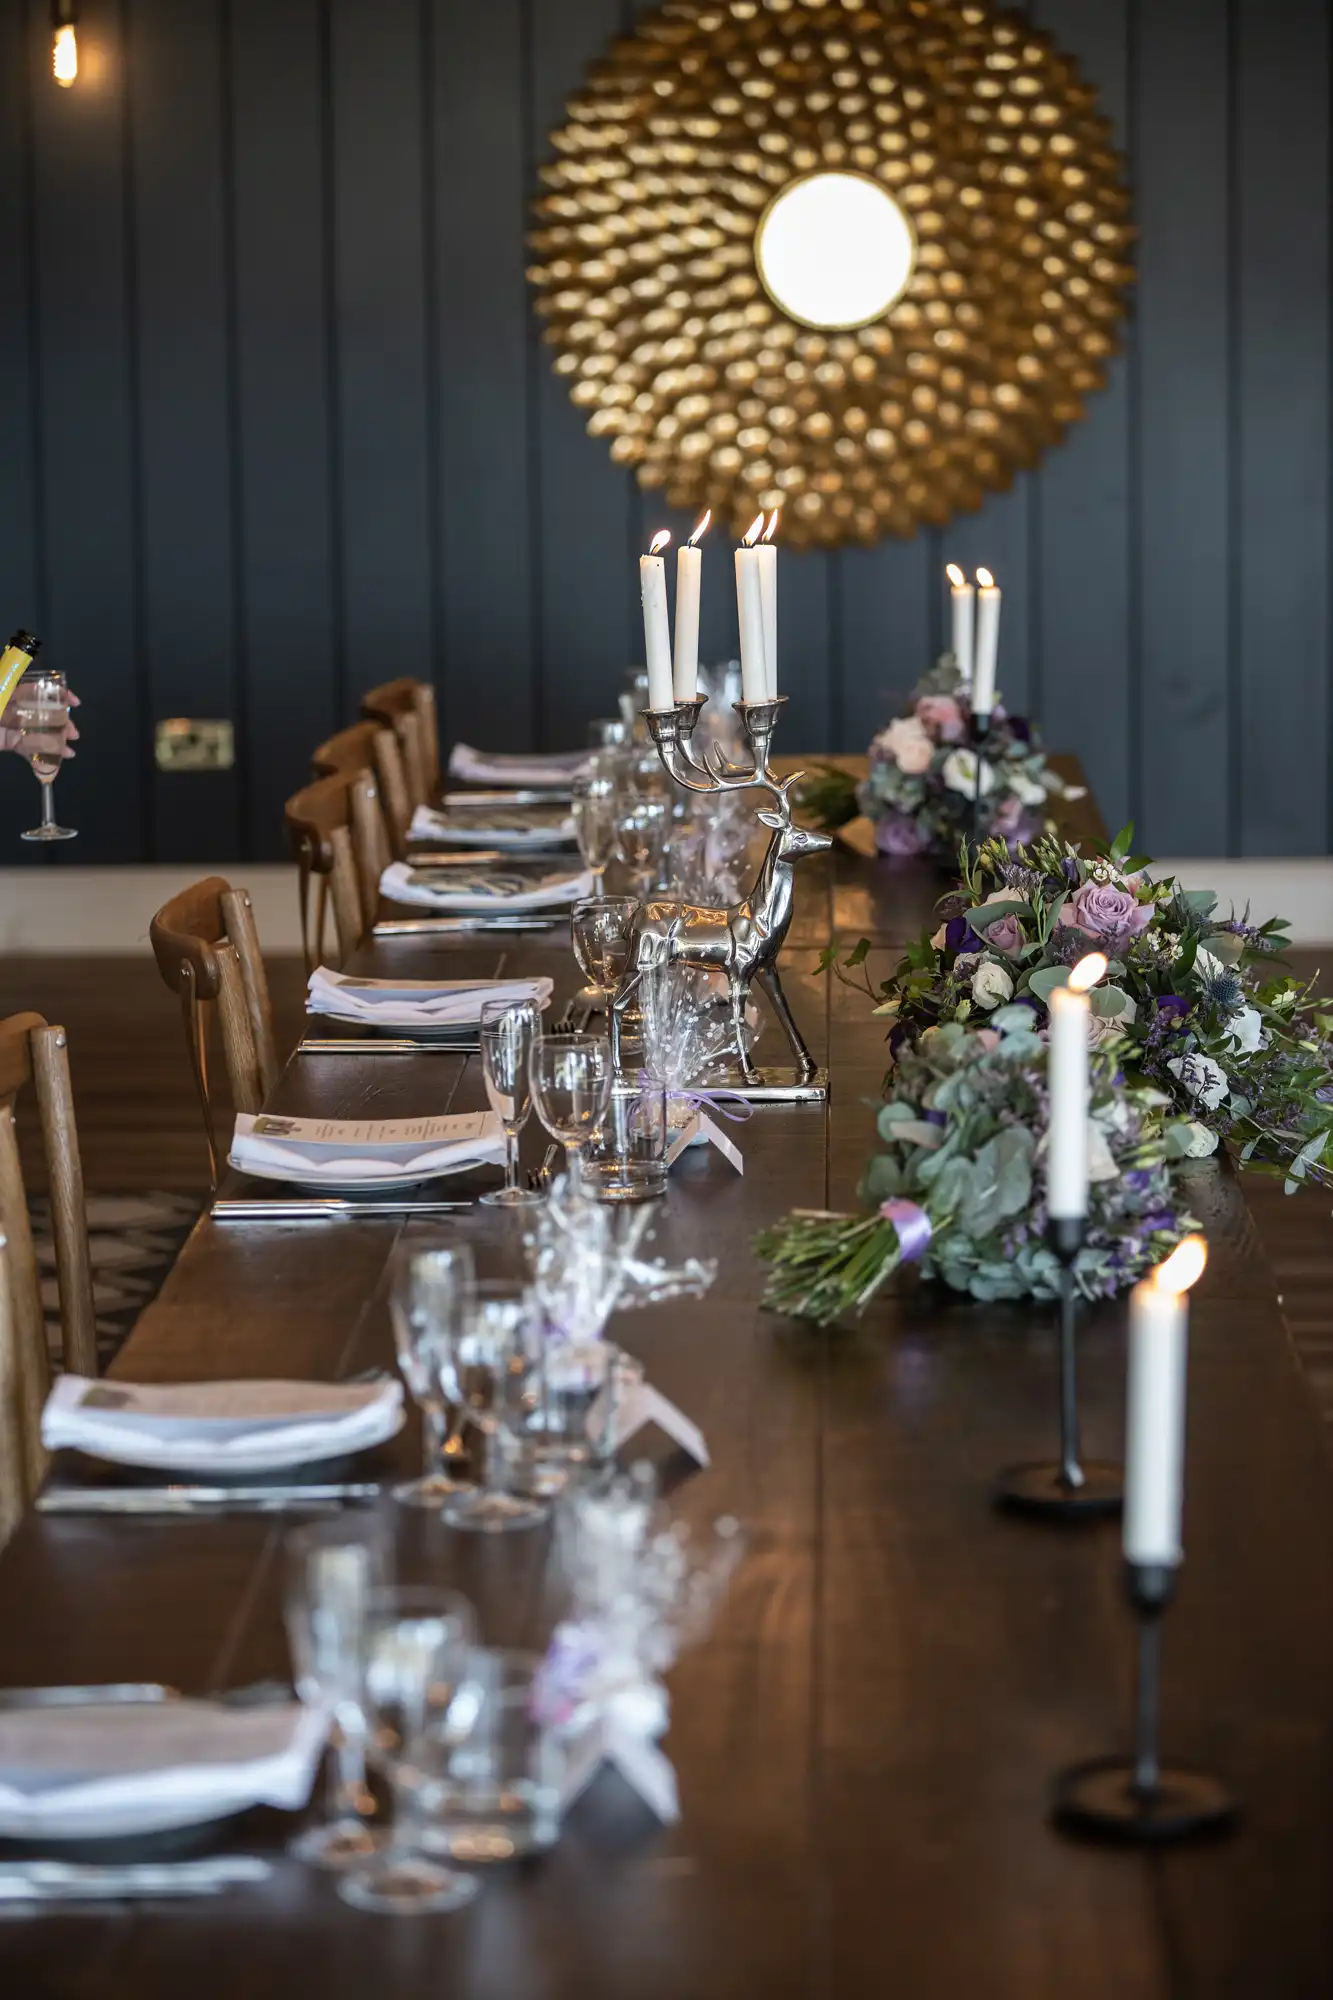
{"x": 40, "y": 712}
{"x": 595, "y": 822}
{"x": 414, "y": 1654}
{"x": 331, "y": 1572}
{"x": 571, "y": 1086}
{"x": 508, "y": 1030}
{"x": 493, "y": 1372}
{"x": 643, "y": 831}
{"x": 430, "y": 1291}
{"x": 602, "y": 929}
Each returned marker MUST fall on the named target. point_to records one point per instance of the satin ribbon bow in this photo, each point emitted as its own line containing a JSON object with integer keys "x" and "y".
{"x": 913, "y": 1225}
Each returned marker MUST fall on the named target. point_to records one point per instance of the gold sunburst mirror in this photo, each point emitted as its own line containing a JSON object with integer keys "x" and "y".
{"x": 860, "y": 262}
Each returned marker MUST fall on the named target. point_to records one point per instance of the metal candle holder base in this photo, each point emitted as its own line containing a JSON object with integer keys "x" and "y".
{"x": 1139, "y": 1799}
{"x": 1071, "y": 1488}
{"x": 741, "y": 941}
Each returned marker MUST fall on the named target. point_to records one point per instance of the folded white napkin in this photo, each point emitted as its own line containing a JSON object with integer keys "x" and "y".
{"x": 514, "y": 830}
{"x": 223, "y": 1426}
{"x": 120, "y": 1767}
{"x": 403, "y": 884}
{"x": 415, "y": 1003}
{"x": 345, "y": 1151}
{"x": 536, "y": 768}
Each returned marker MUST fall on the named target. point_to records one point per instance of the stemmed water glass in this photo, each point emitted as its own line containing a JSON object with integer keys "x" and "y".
{"x": 601, "y": 928}
{"x": 571, "y": 1087}
{"x": 430, "y": 1294}
{"x": 40, "y": 712}
{"x": 414, "y": 1654}
{"x": 643, "y": 833}
{"x": 594, "y": 809}
{"x": 492, "y": 1371}
{"x": 508, "y": 1030}
{"x": 331, "y": 1573}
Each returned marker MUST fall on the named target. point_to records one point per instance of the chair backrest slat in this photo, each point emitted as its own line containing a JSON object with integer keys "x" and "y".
{"x": 320, "y": 827}
{"x": 69, "y": 1215}
{"x": 13, "y": 1463}
{"x": 242, "y": 932}
{"x": 389, "y": 704}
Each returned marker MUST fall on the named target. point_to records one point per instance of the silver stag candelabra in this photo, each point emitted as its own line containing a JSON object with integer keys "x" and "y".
{"x": 741, "y": 940}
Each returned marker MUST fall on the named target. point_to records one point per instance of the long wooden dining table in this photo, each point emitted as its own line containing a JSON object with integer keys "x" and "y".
{"x": 866, "y": 1742}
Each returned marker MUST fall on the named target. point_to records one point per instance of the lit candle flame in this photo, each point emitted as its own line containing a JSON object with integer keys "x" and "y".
{"x": 955, "y": 576}
{"x": 772, "y": 524}
{"x": 753, "y": 532}
{"x": 985, "y": 579}
{"x": 702, "y": 527}
{"x": 65, "y": 55}
{"x": 1087, "y": 972}
{"x": 1182, "y": 1268}
{"x": 659, "y": 541}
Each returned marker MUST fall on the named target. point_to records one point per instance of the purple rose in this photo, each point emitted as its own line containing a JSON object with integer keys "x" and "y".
{"x": 1004, "y": 935}
{"x": 959, "y": 936}
{"x": 1103, "y": 911}
{"x": 897, "y": 834}
{"x": 1021, "y": 727}
{"x": 1171, "y": 1008}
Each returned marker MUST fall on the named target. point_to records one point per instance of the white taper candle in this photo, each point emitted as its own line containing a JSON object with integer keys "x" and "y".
{"x": 689, "y": 566}
{"x": 656, "y": 628}
{"x": 767, "y": 557}
{"x": 987, "y": 644}
{"x": 1067, "y": 1081}
{"x": 749, "y": 610}
{"x": 962, "y": 600}
{"x": 1155, "y": 1423}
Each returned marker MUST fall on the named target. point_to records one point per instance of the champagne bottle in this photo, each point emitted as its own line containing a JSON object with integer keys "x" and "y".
{"x": 17, "y": 657}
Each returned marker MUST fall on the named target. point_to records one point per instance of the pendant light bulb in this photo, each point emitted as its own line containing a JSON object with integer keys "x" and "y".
{"x": 64, "y": 46}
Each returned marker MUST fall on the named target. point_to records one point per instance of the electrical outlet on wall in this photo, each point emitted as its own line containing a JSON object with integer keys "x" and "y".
{"x": 184, "y": 743}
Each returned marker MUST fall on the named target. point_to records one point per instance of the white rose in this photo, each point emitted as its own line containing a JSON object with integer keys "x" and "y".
{"x": 1202, "y": 1078}
{"x": 1245, "y": 1031}
{"x": 1026, "y": 790}
{"x": 909, "y": 744}
{"x": 1202, "y": 1142}
{"x": 960, "y": 774}
{"x": 991, "y": 985}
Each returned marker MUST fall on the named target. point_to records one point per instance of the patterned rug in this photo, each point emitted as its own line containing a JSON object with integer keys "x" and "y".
{"x": 134, "y": 1240}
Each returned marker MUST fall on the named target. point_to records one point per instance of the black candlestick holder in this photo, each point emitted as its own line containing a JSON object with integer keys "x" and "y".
{"x": 1071, "y": 1488}
{"x": 1138, "y": 1798}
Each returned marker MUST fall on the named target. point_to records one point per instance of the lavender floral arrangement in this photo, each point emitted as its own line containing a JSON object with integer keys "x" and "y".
{"x": 1245, "y": 1055}
{"x": 926, "y": 783}
{"x": 960, "y": 1185}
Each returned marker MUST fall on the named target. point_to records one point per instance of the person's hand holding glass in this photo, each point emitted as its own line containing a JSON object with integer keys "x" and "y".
{"x": 430, "y": 1294}
{"x": 508, "y": 1030}
{"x": 38, "y": 714}
{"x": 571, "y": 1087}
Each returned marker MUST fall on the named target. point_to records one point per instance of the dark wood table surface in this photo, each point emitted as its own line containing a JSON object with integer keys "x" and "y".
{"x": 865, "y": 1744}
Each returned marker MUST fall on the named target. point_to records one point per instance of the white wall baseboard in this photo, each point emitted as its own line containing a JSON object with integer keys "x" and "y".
{"x": 81, "y": 910}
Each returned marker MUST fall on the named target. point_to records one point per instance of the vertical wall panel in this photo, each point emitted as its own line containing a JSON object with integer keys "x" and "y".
{"x": 185, "y": 408}
{"x": 478, "y": 187}
{"x": 588, "y": 518}
{"x": 1280, "y": 762}
{"x": 293, "y": 665}
{"x": 1082, "y": 545}
{"x": 887, "y": 632}
{"x": 996, "y": 538}
{"x": 20, "y": 469}
{"x": 1183, "y": 536}
{"x": 379, "y": 302}
{"x": 87, "y": 382}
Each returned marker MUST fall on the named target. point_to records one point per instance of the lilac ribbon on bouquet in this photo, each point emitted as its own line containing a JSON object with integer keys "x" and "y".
{"x": 715, "y": 1100}
{"x": 913, "y": 1225}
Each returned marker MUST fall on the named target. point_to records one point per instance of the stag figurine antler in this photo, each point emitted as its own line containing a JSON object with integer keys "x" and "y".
{"x": 743, "y": 939}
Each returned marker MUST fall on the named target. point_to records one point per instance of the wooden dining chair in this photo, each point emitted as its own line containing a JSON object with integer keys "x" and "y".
{"x": 207, "y": 950}
{"x": 373, "y": 747}
{"x": 337, "y": 835}
{"x": 32, "y": 1052}
{"x": 408, "y": 708}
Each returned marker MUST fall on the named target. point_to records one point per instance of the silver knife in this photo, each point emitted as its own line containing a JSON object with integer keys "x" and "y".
{"x": 64, "y": 1881}
{"x": 521, "y": 795}
{"x": 134, "y": 1692}
{"x": 326, "y": 1208}
{"x": 191, "y": 1499}
{"x": 381, "y": 1045}
{"x": 389, "y": 927}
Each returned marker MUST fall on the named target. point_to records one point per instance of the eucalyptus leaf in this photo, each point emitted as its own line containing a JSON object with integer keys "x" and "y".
{"x": 1043, "y": 982}
{"x": 1109, "y": 1002}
